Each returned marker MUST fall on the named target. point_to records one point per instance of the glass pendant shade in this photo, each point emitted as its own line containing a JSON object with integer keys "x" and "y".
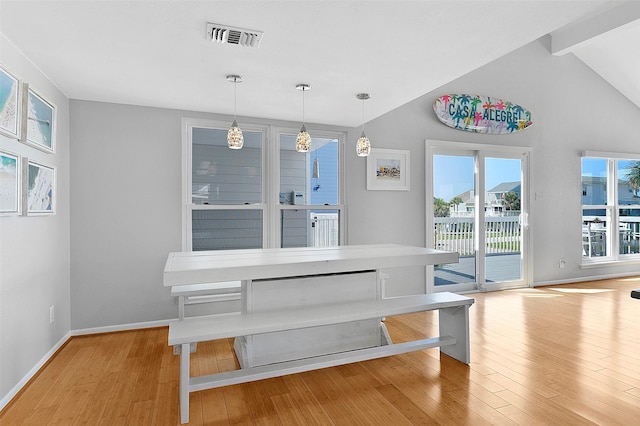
{"x": 303, "y": 141}
{"x": 363, "y": 146}
{"x": 235, "y": 139}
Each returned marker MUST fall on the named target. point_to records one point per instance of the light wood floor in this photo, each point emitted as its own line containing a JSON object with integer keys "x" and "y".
{"x": 562, "y": 355}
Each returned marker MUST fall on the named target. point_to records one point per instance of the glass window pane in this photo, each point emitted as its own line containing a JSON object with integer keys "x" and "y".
{"x": 226, "y": 176}
{"x": 309, "y": 228}
{"x": 629, "y": 231}
{"x": 309, "y": 178}
{"x": 594, "y": 181}
{"x": 628, "y": 182}
{"x": 454, "y": 207}
{"x": 503, "y": 230}
{"x": 595, "y": 227}
{"x": 226, "y": 229}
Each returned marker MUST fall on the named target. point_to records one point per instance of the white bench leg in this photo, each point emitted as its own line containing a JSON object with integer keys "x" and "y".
{"x": 454, "y": 322}
{"x": 185, "y": 355}
{"x": 181, "y": 307}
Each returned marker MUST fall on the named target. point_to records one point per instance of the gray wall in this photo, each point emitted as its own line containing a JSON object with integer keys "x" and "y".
{"x": 34, "y": 250}
{"x": 573, "y": 110}
{"x": 126, "y": 211}
{"x": 126, "y": 182}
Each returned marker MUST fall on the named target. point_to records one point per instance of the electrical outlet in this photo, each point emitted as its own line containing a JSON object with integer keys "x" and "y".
{"x": 52, "y": 314}
{"x": 563, "y": 263}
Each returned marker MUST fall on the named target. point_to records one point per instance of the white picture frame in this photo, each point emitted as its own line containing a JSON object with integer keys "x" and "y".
{"x": 39, "y": 188}
{"x": 10, "y": 184}
{"x": 40, "y": 121}
{"x": 388, "y": 170}
{"x": 11, "y": 103}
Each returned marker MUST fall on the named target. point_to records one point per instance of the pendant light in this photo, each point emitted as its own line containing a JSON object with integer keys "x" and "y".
{"x": 303, "y": 141}
{"x": 235, "y": 139}
{"x": 363, "y": 146}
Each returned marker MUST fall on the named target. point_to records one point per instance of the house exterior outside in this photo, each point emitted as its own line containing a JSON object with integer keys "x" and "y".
{"x": 494, "y": 201}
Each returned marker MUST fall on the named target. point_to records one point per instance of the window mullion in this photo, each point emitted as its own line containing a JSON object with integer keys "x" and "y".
{"x": 612, "y": 202}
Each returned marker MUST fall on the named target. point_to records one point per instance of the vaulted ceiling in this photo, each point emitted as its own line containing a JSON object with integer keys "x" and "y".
{"x": 155, "y": 53}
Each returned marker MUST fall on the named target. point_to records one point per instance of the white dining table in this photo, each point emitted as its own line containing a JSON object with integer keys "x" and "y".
{"x": 251, "y": 264}
{"x": 308, "y": 277}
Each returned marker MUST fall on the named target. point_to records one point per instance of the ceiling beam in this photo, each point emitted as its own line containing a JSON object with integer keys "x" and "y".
{"x": 565, "y": 39}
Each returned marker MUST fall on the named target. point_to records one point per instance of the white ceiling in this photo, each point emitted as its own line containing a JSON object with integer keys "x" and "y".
{"x": 155, "y": 52}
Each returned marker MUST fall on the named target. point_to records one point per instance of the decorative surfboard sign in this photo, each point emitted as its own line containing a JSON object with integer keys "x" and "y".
{"x": 481, "y": 114}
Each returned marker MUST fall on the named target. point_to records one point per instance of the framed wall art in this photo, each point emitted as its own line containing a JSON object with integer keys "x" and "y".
{"x": 10, "y": 104}
{"x": 40, "y": 191}
{"x": 388, "y": 169}
{"x": 10, "y": 174}
{"x": 41, "y": 122}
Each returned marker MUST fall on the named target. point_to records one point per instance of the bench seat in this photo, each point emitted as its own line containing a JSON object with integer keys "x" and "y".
{"x": 190, "y": 294}
{"x": 213, "y": 327}
{"x": 453, "y": 340}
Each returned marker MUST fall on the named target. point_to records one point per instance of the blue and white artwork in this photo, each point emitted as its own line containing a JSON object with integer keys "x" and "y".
{"x": 40, "y": 188}
{"x": 40, "y": 122}
{"x": 9, "y": 104}
{"x": 9, "y": 183}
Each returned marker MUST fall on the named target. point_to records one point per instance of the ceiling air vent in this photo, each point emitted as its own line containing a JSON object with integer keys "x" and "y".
{"x": 232, "y": 35}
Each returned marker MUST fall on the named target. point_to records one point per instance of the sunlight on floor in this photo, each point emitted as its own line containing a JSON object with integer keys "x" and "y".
{"x": 542, "y": 295}
{"x": 583, "y": 290}
{"x": 535, "y": 293}
{"x": 629, "y": 279}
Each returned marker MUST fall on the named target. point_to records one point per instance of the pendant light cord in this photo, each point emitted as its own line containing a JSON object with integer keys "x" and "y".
{"x": 362, "y": 115}
{"x": 303, "y": 90}
{"x": 235, "y": 98}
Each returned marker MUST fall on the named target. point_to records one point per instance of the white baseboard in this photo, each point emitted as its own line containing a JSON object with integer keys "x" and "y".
{"x": 82, "y": 332}
{"x": 121, "y": 327}
{"x": 14, "y": 391}
{"x": 584, "y": 279}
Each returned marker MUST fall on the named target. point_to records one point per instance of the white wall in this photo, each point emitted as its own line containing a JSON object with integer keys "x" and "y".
{"x": 34, "y": 250}
{"x": 573, "y": 110}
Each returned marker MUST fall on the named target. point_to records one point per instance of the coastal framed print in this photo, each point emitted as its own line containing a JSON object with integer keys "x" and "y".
{"x": 10, "y": 174}
{"x": 388, "y": 169}
{"x": 41, "y": 122}
{"x": 40, "y": 188}
{"x": 10, "y": 104}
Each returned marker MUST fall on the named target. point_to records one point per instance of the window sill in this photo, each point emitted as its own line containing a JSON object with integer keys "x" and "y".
{"x": 610, "y": 262}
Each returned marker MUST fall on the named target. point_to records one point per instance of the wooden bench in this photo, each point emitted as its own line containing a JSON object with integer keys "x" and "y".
{"x": 205, "y": 293}
{"x": 453, "y": 339}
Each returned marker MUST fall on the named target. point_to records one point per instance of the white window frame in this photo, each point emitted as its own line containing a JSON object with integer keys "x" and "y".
{"x": 612, "y": 210}
{"x": 270, "y": 204}
{"x": 274, "y": 204}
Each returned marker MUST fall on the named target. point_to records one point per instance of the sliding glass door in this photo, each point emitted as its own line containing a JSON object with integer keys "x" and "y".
{"x": 454, "y": 227}
{"x": 503, "y": 255}
{"x": 486, "y": 227}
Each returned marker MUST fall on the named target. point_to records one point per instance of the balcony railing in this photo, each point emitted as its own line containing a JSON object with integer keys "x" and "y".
{"x": 503, "y": 234}
{"x": 596, "y": 236}
{"x": 325, "y": 229}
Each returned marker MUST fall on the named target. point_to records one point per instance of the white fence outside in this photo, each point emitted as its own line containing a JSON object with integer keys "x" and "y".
{"x": 503, "y": 234}
{"x": 325, "y": 229}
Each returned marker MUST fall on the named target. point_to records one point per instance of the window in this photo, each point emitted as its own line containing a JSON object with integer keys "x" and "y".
{"x": 263, "y": 195}
{"x": 610, "y": 208}
{"x": 309, "y": 193}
